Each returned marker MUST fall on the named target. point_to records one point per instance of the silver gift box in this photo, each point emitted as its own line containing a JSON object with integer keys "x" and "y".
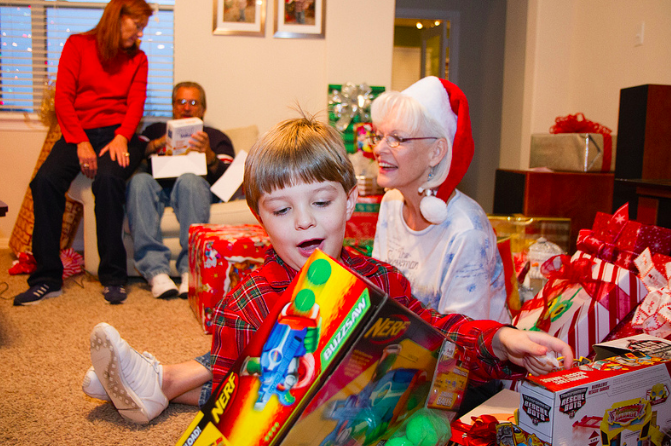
{"x": 570, "y": 152}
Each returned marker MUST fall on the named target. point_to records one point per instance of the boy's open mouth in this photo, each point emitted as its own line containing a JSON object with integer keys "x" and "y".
{"x": 311, "y": 244}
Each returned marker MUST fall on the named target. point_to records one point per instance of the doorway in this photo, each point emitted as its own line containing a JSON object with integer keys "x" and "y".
{"x": 424, "y": 45}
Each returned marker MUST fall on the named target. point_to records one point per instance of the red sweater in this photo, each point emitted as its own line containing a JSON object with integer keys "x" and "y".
{"x": 88, "y": 97}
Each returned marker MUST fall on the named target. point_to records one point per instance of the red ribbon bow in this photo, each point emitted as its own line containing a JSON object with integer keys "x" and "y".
{"x": 561, "y": 274}
{"x": 482, "y": 432}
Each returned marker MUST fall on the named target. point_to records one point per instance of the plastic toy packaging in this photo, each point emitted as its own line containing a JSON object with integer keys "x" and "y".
{"x": 425, "y": 427}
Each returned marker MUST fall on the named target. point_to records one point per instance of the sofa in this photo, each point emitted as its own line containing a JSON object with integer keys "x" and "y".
{"x": 231, "y": 213}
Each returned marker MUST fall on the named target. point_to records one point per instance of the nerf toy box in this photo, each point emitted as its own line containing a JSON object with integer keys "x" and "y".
{"x": 335, "y": 362}
{"x": 615, "y": 401}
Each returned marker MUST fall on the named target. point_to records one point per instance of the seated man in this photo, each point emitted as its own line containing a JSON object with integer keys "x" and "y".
{"x": 189, "y": 195}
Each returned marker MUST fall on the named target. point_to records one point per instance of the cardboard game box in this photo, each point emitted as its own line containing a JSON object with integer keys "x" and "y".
{"x": 336, "y": 362}
{"x": 615, "y": 401}
{"x": 178, "y": 134}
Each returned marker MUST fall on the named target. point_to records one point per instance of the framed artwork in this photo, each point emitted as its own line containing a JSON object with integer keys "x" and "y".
{"x": 239, "y": 17}
{"x": 300, "y": 18}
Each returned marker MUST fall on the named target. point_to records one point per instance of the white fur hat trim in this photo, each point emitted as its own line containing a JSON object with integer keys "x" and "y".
{"x": 431, "y": 93}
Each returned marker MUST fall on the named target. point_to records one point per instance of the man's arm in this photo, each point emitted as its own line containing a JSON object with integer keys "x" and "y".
{"x": 222, "y": 154}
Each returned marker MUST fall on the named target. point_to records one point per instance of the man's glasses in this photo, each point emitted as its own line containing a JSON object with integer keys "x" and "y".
{"x": 394, "y": 141}
{"x": 191, "y": 102}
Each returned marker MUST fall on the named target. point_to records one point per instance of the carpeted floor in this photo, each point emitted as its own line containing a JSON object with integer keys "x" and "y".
{"x": 44, "y": 353}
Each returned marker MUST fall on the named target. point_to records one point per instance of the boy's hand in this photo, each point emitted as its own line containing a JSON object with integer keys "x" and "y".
{"x": 528, "y": 349}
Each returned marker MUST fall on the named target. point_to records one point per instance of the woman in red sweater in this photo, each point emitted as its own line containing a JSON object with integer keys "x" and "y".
{"x": 101, "y": 88}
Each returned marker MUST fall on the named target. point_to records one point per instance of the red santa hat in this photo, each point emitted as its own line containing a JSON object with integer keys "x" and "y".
{"x": 447, "y": 105}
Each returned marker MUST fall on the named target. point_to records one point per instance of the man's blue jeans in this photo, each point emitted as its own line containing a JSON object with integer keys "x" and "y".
{"x": 190, "y": 198}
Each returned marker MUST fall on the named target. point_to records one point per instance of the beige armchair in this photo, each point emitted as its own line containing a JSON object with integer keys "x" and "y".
{"x": 231, "y": 213}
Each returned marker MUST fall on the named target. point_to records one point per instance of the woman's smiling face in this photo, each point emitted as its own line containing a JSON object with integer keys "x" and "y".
{"x": 405, "y": 167}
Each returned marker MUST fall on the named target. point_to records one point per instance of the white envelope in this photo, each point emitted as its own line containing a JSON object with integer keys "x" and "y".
{"x": 231, "y": 180}
{"x": 174, "y": 166}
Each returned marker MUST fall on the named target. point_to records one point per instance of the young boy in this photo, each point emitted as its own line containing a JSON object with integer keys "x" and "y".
{"x": 301, "y": 186}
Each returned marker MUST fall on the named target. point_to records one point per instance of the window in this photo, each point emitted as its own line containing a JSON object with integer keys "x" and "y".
{"x": 32, "y": 35}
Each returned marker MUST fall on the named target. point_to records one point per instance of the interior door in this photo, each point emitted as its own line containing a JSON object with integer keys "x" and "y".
{"x": 433, "y": 51}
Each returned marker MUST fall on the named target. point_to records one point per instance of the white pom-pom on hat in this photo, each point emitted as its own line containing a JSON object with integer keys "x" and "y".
{"x": 433, "y": 209}
{"x": 448, "y": 106}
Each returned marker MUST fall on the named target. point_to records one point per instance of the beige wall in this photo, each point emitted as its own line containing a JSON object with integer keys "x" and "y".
{"x": 249, "y": 80}
{"x": 255, "y": 80}
{"x": 575, "y": 56}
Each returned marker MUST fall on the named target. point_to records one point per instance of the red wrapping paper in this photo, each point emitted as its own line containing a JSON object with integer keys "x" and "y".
{"x": 616, "y": 239}
{"x": 220, "y": 256}
{"x": 481, "y": 433}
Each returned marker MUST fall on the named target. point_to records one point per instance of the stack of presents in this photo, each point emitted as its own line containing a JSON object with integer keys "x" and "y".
{"x": 338, "y": 363}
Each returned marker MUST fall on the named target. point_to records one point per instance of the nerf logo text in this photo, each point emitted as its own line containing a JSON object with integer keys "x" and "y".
{"x": 388, "y": 328}
{"x": 225, "y": 397}
{"x": 538, "y": 411}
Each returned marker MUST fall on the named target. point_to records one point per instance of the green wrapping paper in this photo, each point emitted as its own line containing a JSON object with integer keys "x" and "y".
{"x": 349, "y": 102}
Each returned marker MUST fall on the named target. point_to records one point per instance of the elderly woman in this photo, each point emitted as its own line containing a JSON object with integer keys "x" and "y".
{"x": 438, "y": 237}
{"x": 101, "y": 88}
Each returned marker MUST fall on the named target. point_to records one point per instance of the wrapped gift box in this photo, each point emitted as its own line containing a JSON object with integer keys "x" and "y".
{"x": 219, "y": 258}
{"x": 653, "y": 316}
{"x": 572, "y": 152}
{"x": 524, "y": 231}
{"x": 623, "y": 399}
{"x": 585, "y": 305}
{"x": 616, "y": 239}
{"x": 348, "y": 134}
{"x": 357, "y": 364}
{"x": 360, "y": 229}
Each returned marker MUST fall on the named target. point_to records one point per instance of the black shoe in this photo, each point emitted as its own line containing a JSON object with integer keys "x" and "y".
{"x": 36, "y": 293}
{"x": 115, "y": 294}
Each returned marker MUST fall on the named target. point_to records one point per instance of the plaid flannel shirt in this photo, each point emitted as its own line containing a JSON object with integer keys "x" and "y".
{"x": 241, "y": 313}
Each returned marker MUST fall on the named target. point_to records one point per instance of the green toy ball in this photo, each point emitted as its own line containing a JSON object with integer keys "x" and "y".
{"x": 399, "y": 441}
{"x": 304, "y": 300}
{"x": 319, "y": 272}
{"x": 420, "y": 431}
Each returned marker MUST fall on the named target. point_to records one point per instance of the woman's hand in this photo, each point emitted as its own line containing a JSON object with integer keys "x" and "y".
{"x": 88, "y": 162}
{"x": 118, "y": 150}
{"x": 528, "y": 349}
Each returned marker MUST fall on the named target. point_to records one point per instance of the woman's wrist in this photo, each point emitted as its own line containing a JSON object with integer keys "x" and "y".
{"x": 213, "y": 163}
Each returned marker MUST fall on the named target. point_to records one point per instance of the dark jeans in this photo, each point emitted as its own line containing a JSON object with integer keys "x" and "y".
{"x": 49, "y": 186}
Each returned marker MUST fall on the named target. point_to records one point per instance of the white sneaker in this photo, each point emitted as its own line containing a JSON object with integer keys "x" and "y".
{"x": 93, "y": 387}
{"x": 132, "y": 381}
{"x": 184, "y": 286}
{"x": 162, "y": 286}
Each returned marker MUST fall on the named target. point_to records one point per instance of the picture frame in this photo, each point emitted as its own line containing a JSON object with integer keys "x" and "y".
{"x": 239, "y": 17}
{"x": 296, "y": 19}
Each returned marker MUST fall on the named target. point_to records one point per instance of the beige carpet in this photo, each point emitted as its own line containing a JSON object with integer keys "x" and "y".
{"x": 44, "y": 353}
